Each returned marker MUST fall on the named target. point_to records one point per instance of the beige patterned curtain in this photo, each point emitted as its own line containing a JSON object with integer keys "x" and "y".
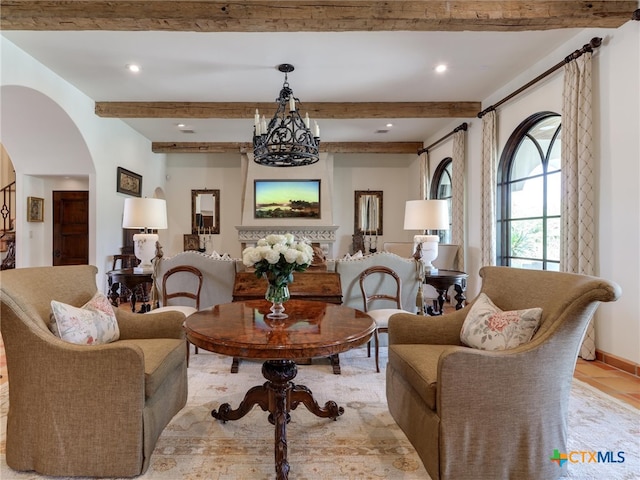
{"x": 424, "y": 176}
{"x": 489, "y": 168}
{"x": 457, "y": 196}
{"x": 577, "y": 246}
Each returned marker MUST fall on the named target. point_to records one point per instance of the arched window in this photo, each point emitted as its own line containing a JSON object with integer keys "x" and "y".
{"x": 528, "y": 195}
{"x": 441, "y": 190}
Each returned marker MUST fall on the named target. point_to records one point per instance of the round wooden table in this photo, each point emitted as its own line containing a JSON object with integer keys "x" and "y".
{"x": 313, "y": 329}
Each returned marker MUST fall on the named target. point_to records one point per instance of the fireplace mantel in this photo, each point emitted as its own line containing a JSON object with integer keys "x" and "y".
{"x": 325, "y": 235}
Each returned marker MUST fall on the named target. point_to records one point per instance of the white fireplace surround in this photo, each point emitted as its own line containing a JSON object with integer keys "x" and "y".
{"x": 325, "y": 236}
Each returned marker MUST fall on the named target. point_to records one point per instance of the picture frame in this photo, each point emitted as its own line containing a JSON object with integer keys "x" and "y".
{"x": 129, "y": 183}
{"x": 35, "y": 209}
{"x": 286, "y": 199}
{"x": 191, "y": 242}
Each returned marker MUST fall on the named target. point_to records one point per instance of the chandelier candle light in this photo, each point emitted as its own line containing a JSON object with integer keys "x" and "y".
{"x": 275, "y": 258}
{"x": 145, "y": 214}
{"x": 287, "y": 141}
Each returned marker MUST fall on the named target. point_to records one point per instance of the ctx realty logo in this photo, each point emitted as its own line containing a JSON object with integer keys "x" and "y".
{"x": 581, "y": 456}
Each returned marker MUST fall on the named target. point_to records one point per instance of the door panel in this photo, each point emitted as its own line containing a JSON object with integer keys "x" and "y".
{"x": 70, "y": 228}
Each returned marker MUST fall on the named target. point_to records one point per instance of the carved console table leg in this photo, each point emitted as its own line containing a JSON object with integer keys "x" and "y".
{"x": 460, "y": 298}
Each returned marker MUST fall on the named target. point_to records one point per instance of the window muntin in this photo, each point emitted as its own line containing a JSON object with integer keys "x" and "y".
{"x": 441, "y": 189}
{"x": 529, "y": 195}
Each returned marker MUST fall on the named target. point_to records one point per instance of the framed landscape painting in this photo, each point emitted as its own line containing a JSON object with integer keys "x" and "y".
{"x": 287, "y": 199}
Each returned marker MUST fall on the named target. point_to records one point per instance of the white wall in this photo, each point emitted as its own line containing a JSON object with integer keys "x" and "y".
{"x": 186, "y": 172}
{"x": 393, "y": 174}
{"x": 74, "y": 141}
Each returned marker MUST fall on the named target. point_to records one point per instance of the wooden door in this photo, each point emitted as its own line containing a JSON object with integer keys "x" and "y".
{"x": 70, "y": 228}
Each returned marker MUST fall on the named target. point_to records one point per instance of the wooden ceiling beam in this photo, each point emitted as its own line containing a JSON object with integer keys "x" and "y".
{"x": 312, "y": 16}
{"x": 243, "y": 147}
{"x": 328, "y": 110}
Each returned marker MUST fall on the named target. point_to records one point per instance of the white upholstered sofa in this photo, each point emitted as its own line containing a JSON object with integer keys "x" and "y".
{"x": 218, "y": 277}
{"x": 350, "y": 270}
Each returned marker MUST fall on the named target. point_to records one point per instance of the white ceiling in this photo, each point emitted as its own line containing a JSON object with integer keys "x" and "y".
{"x": 329, "y": 67}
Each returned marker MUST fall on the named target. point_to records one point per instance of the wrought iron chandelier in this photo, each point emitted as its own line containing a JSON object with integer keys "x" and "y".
{"x": 287, "y": 141}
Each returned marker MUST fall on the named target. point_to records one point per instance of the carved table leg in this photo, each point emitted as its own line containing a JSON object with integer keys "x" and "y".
{"x": 235, "y": 364}
{"x": 335, "y": 363}
{"x": 279, "y": 395}
{"x": 113, "y": 293}
{"x": 460, "y": 298}
{"x": 134, "y": 291}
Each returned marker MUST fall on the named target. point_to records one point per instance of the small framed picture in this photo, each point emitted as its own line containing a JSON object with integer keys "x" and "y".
{"x": 35, "y": 209}
{"x": 129, "y": 182}
{"x": 191, "y": 242}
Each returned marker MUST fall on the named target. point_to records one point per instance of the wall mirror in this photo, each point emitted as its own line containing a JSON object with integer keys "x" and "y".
{"x": 205, "y": 211}
{"x": 368, "y": 212}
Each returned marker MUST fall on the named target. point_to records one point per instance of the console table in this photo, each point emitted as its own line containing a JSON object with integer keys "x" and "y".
{"x": 309, "y": 285}
{"x": 441, "y": 281}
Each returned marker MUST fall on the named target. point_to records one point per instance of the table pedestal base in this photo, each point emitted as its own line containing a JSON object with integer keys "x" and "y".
{"x": 279, "y": 395}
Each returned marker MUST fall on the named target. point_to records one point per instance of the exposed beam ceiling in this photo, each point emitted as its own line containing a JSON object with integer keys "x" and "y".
{"x": 343, "y": 110}
{"x": 312, "y": 16}
{"x": 333, "y": 147}
{"x": 346, "y": 123}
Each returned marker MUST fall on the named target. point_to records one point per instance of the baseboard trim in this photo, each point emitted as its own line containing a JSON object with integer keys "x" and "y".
{"x": 619, "y": 363}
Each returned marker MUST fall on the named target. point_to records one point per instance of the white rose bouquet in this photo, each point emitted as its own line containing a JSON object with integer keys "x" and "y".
{"x": 276, "y": 257}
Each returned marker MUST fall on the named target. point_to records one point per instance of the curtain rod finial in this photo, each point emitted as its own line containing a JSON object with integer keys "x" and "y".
{"x": 595, "y": 42}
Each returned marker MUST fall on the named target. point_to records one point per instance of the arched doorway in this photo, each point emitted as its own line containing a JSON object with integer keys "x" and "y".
{"x": 49, "y": 154}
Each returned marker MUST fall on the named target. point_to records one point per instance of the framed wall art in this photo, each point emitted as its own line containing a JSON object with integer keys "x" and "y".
{"x": 287, "y": 199}
{"x": 129, "y": 183}
{"x": 191, "y": 242}
{"x": 35, "y": 209}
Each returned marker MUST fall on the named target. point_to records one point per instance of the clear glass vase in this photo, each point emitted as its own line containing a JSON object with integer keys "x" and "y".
{"x": 277, "y": 294}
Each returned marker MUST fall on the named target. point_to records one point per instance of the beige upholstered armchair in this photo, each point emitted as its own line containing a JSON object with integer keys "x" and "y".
{"x": 85, "y": 410}
{"x": 478, "y": 414}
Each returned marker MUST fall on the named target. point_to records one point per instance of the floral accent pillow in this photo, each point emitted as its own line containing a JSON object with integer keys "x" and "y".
{"x": 92, "y": 324}
{"x": 486, "y": 327}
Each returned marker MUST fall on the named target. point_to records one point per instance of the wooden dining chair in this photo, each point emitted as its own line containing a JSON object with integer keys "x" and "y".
{"x": 380, "y": 283}
{"x": 182, "y": 281}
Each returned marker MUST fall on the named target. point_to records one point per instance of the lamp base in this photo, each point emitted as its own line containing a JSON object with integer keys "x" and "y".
{"x": 426, "y": 247}
{"x": 145, "y": 250}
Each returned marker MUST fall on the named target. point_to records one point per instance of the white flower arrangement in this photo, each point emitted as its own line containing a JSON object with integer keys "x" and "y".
{"x": 277, "y": 257}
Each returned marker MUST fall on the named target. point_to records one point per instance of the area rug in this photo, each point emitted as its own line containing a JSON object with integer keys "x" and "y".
{"x": 364, "y": 443}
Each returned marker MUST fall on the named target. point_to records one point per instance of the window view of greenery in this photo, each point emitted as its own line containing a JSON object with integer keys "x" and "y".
{"x": 529, "y": 195}
{"x": 442, "y": 181}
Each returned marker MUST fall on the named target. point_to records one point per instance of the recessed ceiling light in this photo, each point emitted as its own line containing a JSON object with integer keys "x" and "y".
{"x": 389, "y": 125}
{"x": 441, "y": 68}
{"x": 132, "y": 67}
{"x": 181, "y": 125}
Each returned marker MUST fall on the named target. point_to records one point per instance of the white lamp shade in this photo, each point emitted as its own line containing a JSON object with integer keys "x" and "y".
{"x": 426, "y": 215}
{"x": 147, "y": 213}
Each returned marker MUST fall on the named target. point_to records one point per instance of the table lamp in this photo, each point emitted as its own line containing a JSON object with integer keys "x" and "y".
{"x": 426, "y": 215}
{"x": 147, "y": 214}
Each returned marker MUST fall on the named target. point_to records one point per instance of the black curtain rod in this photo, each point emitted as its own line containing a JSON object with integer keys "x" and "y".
{"x": 462, "y": 127}
{"x": 594, "y": 43}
